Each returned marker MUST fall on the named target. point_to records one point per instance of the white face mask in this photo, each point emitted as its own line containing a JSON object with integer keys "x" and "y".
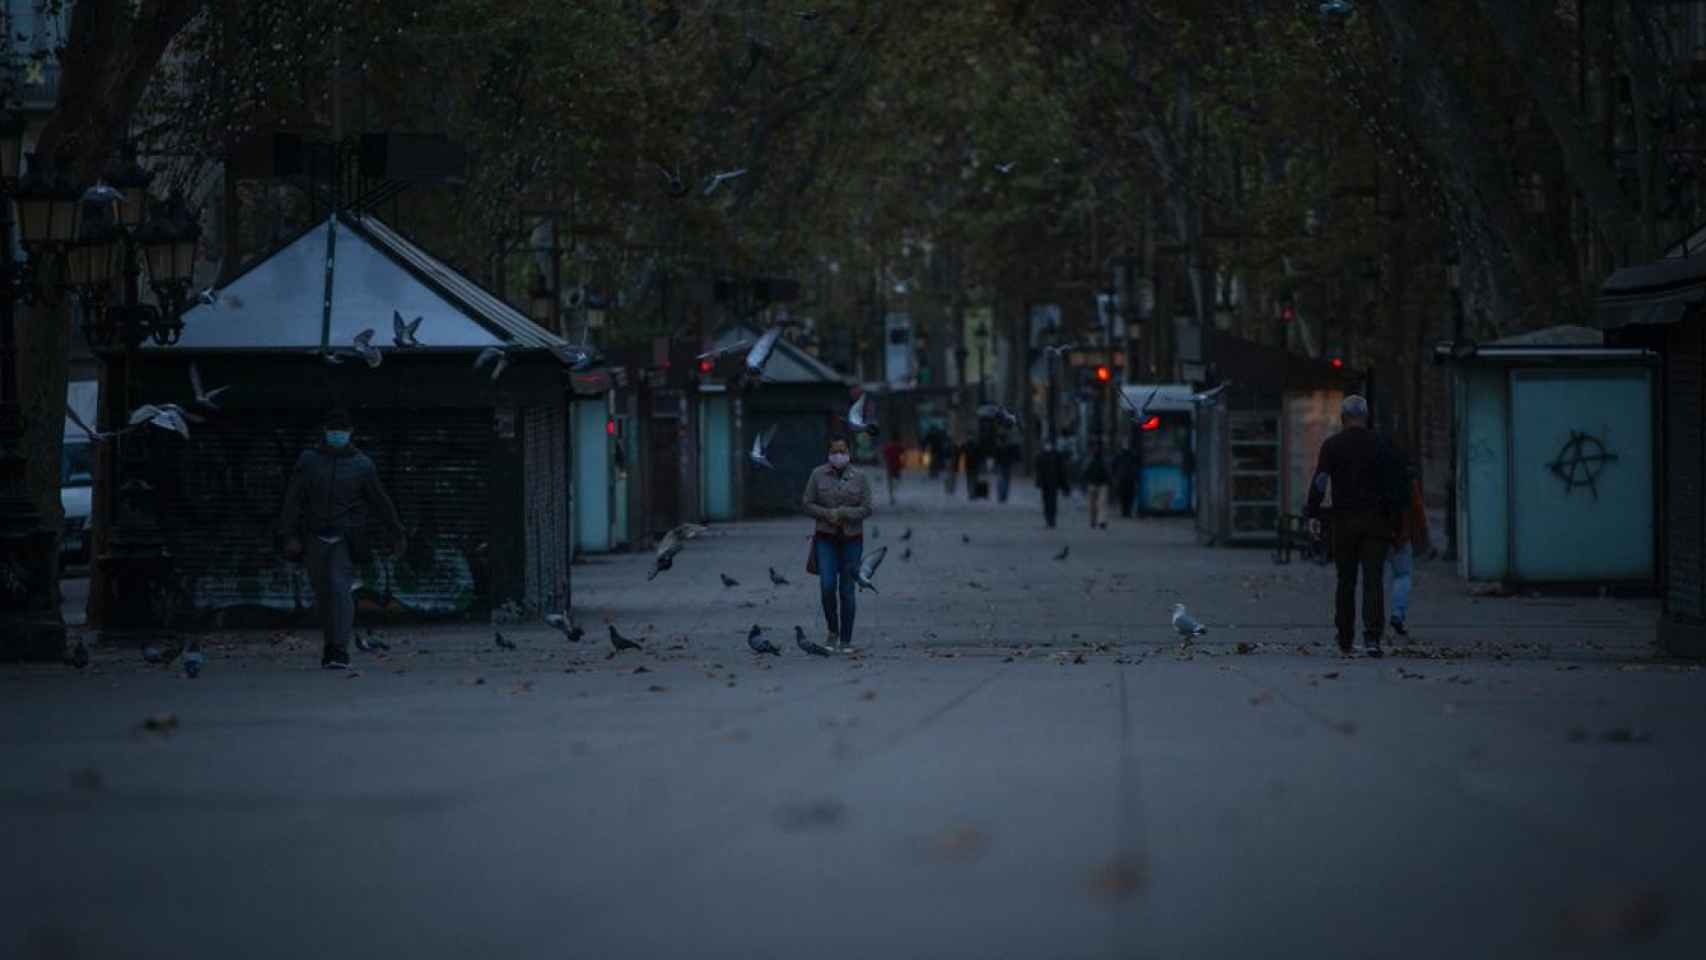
{"x": 838, "y": 460}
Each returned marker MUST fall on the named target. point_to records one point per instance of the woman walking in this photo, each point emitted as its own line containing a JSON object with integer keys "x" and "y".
{"x": 838, "y": 497}
{"x": 1096, "y": 485}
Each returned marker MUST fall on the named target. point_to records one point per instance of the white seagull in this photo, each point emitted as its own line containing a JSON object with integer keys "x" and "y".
{"x": 365, "y": 349}
{"x": 1187, "y": 627}
{"x": 856, "y": 417}
{"x": 166, "y": 416}
{"x": 716, "y": 179}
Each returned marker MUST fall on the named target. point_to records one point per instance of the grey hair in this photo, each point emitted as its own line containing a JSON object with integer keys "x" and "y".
{"x": 1354, "y": 406}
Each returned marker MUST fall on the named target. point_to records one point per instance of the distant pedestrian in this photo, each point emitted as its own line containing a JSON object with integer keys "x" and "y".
{"x": 326, "y": 504}
{"x": 1124, "y": 469}
{"x": 1351, "y": 464}
{"x": 1049, "y": 474}
{"x": 936, "y": 441}
{"x": 1096, "y": 479}
{"x": 1412, "y": 539}
{"x": 950, "y": 465}
{"x": 1007, "y": 453}
{"x": 839, "y": 499}
{"x": 894, "y": 457}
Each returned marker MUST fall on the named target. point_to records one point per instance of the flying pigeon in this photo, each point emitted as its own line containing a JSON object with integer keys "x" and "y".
{"x": 1187, "y": 627}
{"x": 166, "y": 416}
{"x": 620, "y": 642}
{"x": 1141, "y": 413}
{"x": 856, "y": 417}
{"x": 1063, "y": 552}
{"x": 718, "y": 353}
{"x": 575, "y": 358}
{"x": 777, "y": 578}
{"x": 673, "y": 184}
{"x": 1005, "y": 168}
{"x": 1209, "y": 396}
{"x": 868, "y": 569}
{"x": 503, "y": 642}
{"x": 759, "y": 355}
{"x": 755, "y": 640}
{"x": 906, "y": 535}
{"x": 332, "y": 357}
{"x": 79, "y": 655}
{"x": 729, "y": 581}
{"x": 490, "y": 354}
{"x": 208, "y": 297}
{"x": 207, "y": 398}
{"x": 671, "y": 545}
{"x": 365, "y": 349}
{"x": 403, "y": 333}
{"x": 716, "y": 180}
{"x": 571, "y": 630}
{"x": 816, "y": 650}
{"x": 1062, "y": 350}
{"x": 761, "y": 447}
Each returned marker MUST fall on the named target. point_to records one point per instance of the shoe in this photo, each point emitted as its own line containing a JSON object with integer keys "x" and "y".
{"x": 1398, "y": 627}
{"x": 1345, "y": 648}
{"x": 336, "y": 660}
{"x": 1371, "y": 648}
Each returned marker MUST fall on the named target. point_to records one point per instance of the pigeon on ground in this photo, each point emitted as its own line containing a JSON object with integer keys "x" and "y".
{"x": 759, "y": 644}
{"x": 192, "y": 664}
{"x": 502, "y": 641}
{"x": 79, "y": 655}
{"x": 729, "y": 581}
{"x": 169, "y": 653}
{"x": 206, "y": 398}
{"x": 907, "y": 535}
{"x": 716, "y": 180}
{"x": 489, "y": 355}
{"x": 777, "y": 578}
{"x": 365, "y": 349}
{"x": 671, "y": 545}
{"x": 761, "y": 447}
{"x": 403, "y": 334}
{"x": 620, "y": 642}
{"x": 1063, "y": 552}
{"x": 868, "y": 569}
{"x": 816, "y": 650}
{"x": 1187, "y": 627}
{"x": 856, "y": 417}
{"x": 906, "y": 554}
{"x": 566, "y": 624}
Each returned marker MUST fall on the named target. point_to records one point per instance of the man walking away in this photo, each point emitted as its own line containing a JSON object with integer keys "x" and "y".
{"x": 893, "y": 456}
{"x": 1124, "y": 469}
{"x": 1006, "y": 454}
{"x": 1096, "y": 484}
{"x": 1048, "y": 480}
{"x": 326, "y": 504}
{"x": 1412, "y": 539}
{"x": 1351, "y": 463}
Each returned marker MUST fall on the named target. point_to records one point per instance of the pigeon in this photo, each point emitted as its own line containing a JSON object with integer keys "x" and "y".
{"x": 575, "y": 358}
{"x": 209, "y": 297}
{"x": 1336, "y": 8}
{"x": 1063, "y": 552}
{"x": 79, "y": 655}
{"x": 907, "y": 535}
{"x": 716, "y": 179}
{"x": 816, "y": 650}
{"x": 503, "y": 642}
{"x": 102, "y": 192}
{"x": 166, "y": 416}
{"x": 965, "y": 538}
{"x": 620, "y": 642}
{"x": 759, "y": 355}
{"x": 906, "y": 554}
{"x": 571, "y": 630}
{"x": 856, "y": 417}
{"x": 332, "y": 357}
{"x": 868, "y": 569}
{"x": 403, "y": 333}
{"x": 755, "y": 640}
{"x": 729, "y": 581}
{"x": 1183, "y": 623}
{"x": 1062, "y": 350}
{"x": 875, "y": 533}
{"x": 365, "y": 349}
{"x": 151, "y": 654}
{"x": 673, "y": 184}
{"x": 1005, "y": 168}
{"x": 719, "y": 352}
{"x": 489, "y": 355}
{"x": 169, "y": 653}
{"x": 760, "y": 448}
{"x": 671, "y": 545}
{"x": 207, "y": 398}
{"x": 777, "y": 578}
{"x": 192, "y": 664}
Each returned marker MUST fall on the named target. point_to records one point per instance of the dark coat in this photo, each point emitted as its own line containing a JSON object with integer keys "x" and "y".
{"x": 331, "y": 492}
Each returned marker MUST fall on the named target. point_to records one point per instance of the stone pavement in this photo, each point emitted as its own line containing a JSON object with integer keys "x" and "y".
{"x": 1525, "y": 784}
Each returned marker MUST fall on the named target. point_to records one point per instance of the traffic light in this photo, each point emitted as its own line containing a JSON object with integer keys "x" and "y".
{"x": 706, "y": 366}
{"x": 1337, "y": 362}
{"x": 1153, "y": 423}
{"x": 1104, "y": 374}
{"x": 1288, "y": 313}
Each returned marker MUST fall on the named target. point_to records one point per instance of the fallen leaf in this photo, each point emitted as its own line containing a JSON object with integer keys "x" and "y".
{"x": 524, "y": 686}
{"x": 1629, "y": 917}
{"x": 1577, "y": 735}
{"x": 1625, "y": 735}
{"x": 479, "y": 681}
{"x": 1243, "y": 648}
{"x": 817, "y": 814}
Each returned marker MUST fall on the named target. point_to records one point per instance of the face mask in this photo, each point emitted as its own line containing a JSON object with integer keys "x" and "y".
{"x": 838, "y": 460}
{"x": 337, "y": 438}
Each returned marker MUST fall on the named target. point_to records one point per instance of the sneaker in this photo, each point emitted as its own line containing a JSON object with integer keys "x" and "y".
{"x": 335, "y": 661}
{"x": 1371, "y": 648}
{"x": 1398, "y": 627}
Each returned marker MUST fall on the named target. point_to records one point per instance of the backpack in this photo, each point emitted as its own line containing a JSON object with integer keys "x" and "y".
{"x": 1392, "y": 477}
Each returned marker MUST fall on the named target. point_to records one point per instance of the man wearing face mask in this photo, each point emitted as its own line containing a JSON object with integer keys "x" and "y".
{"x": 326, "y": 506}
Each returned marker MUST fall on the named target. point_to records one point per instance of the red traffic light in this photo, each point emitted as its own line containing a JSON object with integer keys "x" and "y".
{"x": 1288, "y": 313}
{"x": 1338, "y": 363}
{"x": 706, "y": 366}
{"x": 610, "y": 426}
{"x": 1153, "y": 423}
{"x": 1104, "y": 374}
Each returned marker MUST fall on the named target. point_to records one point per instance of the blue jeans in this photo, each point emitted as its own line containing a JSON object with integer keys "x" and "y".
{"x": 1003, "y": 481}
{"x": 1399, "y": 562}
{"x": 836, "y": 565}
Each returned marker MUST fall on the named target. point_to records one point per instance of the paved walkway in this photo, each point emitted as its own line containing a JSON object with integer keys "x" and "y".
{"x": 962, "y": 789}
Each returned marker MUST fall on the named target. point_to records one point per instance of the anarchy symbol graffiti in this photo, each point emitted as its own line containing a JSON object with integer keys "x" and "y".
{"x": 1580, "y": 462}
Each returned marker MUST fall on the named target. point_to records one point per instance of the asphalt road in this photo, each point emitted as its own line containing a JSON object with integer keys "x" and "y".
{"x": 1020, "y": 763}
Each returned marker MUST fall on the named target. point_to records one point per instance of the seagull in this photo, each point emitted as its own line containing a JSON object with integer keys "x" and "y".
{"x": 716, "y": 179}
{"x": 620, "y": 642}
{"x": 856, "y": 417}
{"x": 490, "y": 354}
{"x": 403, "y": 334}
{"x": 907, "y": 535}
{"x": 729, "y": 581}
{"x": 808, "y": 646}
{"x": 1063, "y": 552}
{"x": 868, "y": 569}
{"x": 565, "y": 623}
{"x": 365, "y": 349}
{"x": 673, "y": 184}
{"x": 755, "y": 640}
{"x": 671, "y": 545}
{"x": 207, "y": 398}
{"x": 502, "y": 642}
{"x": 777, "y": 578}
{"x": 760, "y": 448}
{"x": 759, "y": 355}
{"x": 1005, "y": 168}
{"x": 1187, "y": 627}
{"x": 166, "y": 416}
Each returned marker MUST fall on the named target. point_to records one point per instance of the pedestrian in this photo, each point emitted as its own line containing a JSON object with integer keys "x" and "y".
{"x": 326, "y": 505}
{"x": 1049, "y": 475}
{"x": 1124, "y": 469}
{"x": 972, "y": 457}
{"x": 894, "y": 456}
{"x": 1400, "y": 561}
{"x": 936, "y": 442}
{"x": 1006, "y": 454}
{"x": 1096, "y": 484}
{"x": 1351, "y": 464}
{"x": 839, "y": 499}
{"x": 950, "y": 464}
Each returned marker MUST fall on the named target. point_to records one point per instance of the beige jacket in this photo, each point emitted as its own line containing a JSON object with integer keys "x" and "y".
{"x": 848, "y": 491}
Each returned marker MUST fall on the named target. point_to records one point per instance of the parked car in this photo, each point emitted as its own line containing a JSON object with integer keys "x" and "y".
{"x": 76, "y": 495}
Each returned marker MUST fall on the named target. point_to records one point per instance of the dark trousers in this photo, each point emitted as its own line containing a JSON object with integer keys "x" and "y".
{"x": 1051, "y": 500}
{"x": 1128, "y": 496}
{"x": 330, "y": 572}
{"x": 1360, "y": 543}
{"x": 836, "y": 565}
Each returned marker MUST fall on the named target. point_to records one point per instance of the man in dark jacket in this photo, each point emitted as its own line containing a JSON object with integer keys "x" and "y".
{"x": 1124, "y": 469}
{"x": 1049, "y": 475}
{"x": 1363, "y": 526}
{"x": 326, "y": 506}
